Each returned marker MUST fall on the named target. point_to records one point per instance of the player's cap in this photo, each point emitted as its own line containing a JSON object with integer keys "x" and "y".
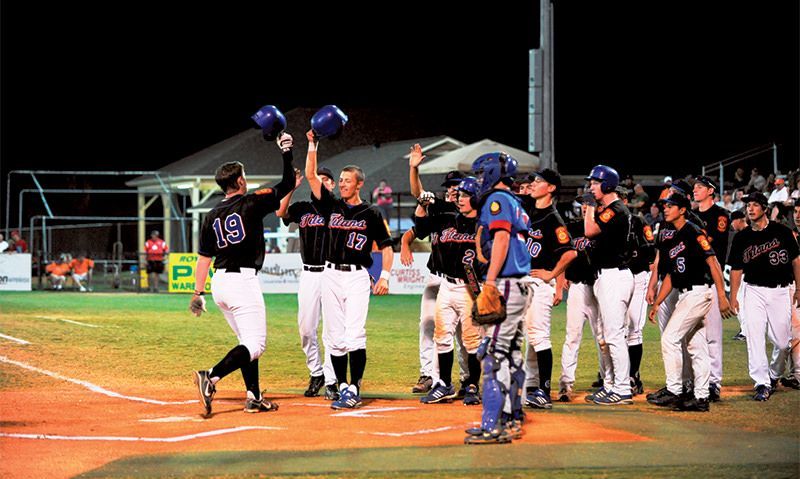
{"x": 453, "y": 178}
{"x": 667, "y": 180}
{"x": 322, "y": 171}
{"x": 677, "y": 199}
{"x": 705, "y": 180}
{"x": 155, "y": 233}
{"x": 624, "y": 193}
{"x": 550, "y": 176}
{"x": 779, "y": 181}
{"x": 681, "y": 186}
{"x": 737, "y": 215}
{"x": 757, "y": 197}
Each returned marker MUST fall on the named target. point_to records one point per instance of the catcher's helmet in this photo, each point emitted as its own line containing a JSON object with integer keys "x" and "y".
{"x": 329, "y": 121}
{"x": 492, "y": 168}
{"x": 270, "y": 120}
{"x": 607, "y": 176}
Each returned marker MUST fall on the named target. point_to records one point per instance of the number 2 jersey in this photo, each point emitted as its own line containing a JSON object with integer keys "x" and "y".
{"x": 452, "y": 238}
{"x": 233, "y": 231}
{"x": 765, "y": 256}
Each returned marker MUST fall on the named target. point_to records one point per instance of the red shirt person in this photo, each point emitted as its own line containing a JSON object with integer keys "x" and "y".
{"x": 155, "y": 249}
{"x": 20, "y": 245}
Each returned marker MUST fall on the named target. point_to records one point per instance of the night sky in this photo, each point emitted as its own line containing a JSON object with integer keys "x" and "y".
{"x": 648, "y": 87}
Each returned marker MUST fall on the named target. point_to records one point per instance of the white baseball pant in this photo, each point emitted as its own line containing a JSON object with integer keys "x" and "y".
{"x": 768, "y": 311}
{"x": 309, "y": 311}
{"x": 613, "y": 290}
{"x": 454, "y": 309}
{"x": 793, "y": 366}
{"x": 714, "y": 337}
{"x": 537, "y": 325}
{"x": 686, "y": 325}
{"x": 239, "y": 297}
{"x": 345, "y": 304}
{"x": 428, "y": 359}
{"x": 637, "y": 310}
{"x": 665, "y": 310}
{"x": 581, "y": 306}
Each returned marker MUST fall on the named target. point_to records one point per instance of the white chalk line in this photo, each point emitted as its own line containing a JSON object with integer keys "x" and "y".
{"x": 90, "y": 386}
{"x": 173, "y": 419}
{"x": 370, "y": 412}
{"x": 16, "y": 340}
{"x": 188, "y": 437}
{"x": 53, "y": 318}
{"x": 409, "y": 433}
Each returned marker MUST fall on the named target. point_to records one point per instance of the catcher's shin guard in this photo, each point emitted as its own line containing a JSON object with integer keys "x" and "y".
{"x": 494, "y": 394}
{"x": 517, "y": 383}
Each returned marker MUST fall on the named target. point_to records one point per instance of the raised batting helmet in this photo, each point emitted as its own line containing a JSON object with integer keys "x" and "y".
{"x": 328, "y": 121}
{"x": 492, "y": 168}
{"x": 271, "y": 121}
{"x": 607, "y": 176}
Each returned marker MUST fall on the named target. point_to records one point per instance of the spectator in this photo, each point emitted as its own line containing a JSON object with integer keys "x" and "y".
{"x": 780, "y": 194}
{"x": 57, "y": 271}
{"x": 3, "y": 244}
{"x": 640, "y": 198}
{"x": 20, "y": 244}
{"x": 665, "y": 190}
{"x": 576, "y": 204}
{"x": 727, "y": 201}
{"x": 82, "y": 268}
{"x": 382, "y": 196}
{"x": 757, "y": 182}
{"x": 795, "y": 193}
{"x": 654, "y": 215}
{"x": 155, "y": 248}
{"x": 738, "y": 179}
{"x": 627, "y": 182}
{"x": 738, "y": 204}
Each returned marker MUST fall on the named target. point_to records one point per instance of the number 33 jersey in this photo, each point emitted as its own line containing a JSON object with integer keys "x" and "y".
{"x": 233, "y": 231}
{"x": 765, "y": 256}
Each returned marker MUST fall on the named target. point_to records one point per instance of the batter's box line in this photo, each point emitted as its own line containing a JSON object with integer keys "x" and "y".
{"x": 409, "y": 433}
{"x": 187, "y": 437}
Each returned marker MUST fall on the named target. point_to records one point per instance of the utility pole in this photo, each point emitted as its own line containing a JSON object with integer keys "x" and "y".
{"x": 540, "y": 90}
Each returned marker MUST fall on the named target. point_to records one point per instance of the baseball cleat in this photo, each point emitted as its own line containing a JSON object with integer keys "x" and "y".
{"x": 657, "y": 394}
{"x": 331, "y": 393}
{"x": 440, "y": 393}
{"x": 597, "y": 394}
{"x": 739, "y": 337}
{"x": 565, "y": 394}
{"x": 599, "y": 382}
{"x": 692, "y": 404}
{"x": 424, "y": 384}
{"x": 793, "y": 383}
{"x": 472, "y": 397}
{"x": 762, "y": 393}
{"x": 637, "y": 386}
{"x": 315, "y": 383}
{"x": 349, "y": 399}
{"x": 538, "y": 399}
{"x": 489, "y": 437}
{"x": 206, "y": 390}
{"x": 714, "y": 392}
{"x": 614, "y": 399}
{"x": 667, "y": 399}
{"x": 253, "y": 405}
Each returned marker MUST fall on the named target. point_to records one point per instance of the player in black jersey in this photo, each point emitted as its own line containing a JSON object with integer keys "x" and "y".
{"x": 693, "y": 266}
{"x": 313, "y": 232}
{"x": 353, "y": 226}
{"x": 455, "y": 240}
{"x": 766, "y": 257}
{"x": 550, "y": 248}
{"x": 434, "y": 205}
{"x": 715, "y": 221}
{"x": 233, "y": 235}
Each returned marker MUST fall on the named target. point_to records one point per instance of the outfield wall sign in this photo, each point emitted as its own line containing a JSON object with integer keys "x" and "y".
{"x": 15, "y": 272}
{"x": 180, "y": 273}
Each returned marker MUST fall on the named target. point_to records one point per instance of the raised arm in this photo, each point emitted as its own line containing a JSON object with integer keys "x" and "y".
{"x": 286, "y": 184}
{"x": 414, "y": 159}
{"x": 314, "y": 182}
{"x": 283, "y": 211}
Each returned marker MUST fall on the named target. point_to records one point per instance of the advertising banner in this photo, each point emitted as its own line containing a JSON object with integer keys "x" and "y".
{"x": 15, "y": 272}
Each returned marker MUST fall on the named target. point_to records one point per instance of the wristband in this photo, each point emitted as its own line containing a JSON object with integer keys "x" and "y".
{"x": 199, "y": 293}
{"x": 312, "y": 146}
{"x": 385, "y": 275}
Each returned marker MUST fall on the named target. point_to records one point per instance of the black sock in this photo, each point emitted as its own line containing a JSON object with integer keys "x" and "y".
{"x": 250, "y": 376}
{"x": 236, "y": 358}
{"x": 358, "y": 362}
{"x": 635, "y": 353}
{"x": 474, "y": 369}
{"x": 339, "y": 368}
{"x": 545, "y": 359}
{"x": 446, "y": 368}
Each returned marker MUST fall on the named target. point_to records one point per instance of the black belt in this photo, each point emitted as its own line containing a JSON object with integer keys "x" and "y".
{"x": 345, "y": 267}
{"x": 691, "y": 286}
{"x": 453, "y": 280}
{"x": 774, "y": 285}
{"x": 314, "y": 269}
{"x": 235, "y": 269}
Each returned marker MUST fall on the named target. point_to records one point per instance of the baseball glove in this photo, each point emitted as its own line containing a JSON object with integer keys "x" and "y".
{"x": 489, "y": 307}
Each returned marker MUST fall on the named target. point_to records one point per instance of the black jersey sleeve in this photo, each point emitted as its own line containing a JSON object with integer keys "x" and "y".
{"x": 735, "y": 255}
{"x": 792, "y": 246}
{"x": 267, "y": 200}
{"x": 208, "y": 242}
{"x": 379, "y": 230}
{"x": 295, "y": 212}
{"x": 422, "y": 226}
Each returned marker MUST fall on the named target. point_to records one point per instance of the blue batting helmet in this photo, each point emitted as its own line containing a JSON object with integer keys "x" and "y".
{"x": 328, "y": 121}
{"x": 271, "y": 121}
{"x": 607, "y": 176}
{"x": 469, "y": 185}
{"x": 492, "y": 168}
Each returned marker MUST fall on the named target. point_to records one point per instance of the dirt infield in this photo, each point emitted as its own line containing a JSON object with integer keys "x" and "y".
{"x": 83, "y": 430}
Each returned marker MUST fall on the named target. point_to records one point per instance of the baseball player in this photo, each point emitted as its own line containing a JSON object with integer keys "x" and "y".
{"x": 792, "y": 380}
{"x": 500, "y": 246}
{"x": 353, "y": 226}
{"x": 550, "y": 248}
{"x": 155, "y": 249}
{"x": 313, "y": 232}
{"x": 233, "y": 235}
{"x": 455, "y": 238}
{"x": 738, "y": 223}
{"x": 715, "y": 221}
{"x": 765, "y": 256}
{"x": 611, "y": 230}
{"x": 641, "y": 266}
{"x": 434, "y": 206}
{"x": 692, "y": 266}
{"x": 82, "y": 268}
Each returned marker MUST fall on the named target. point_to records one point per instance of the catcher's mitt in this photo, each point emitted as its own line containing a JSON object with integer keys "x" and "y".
{"x": 489, "y": 307}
